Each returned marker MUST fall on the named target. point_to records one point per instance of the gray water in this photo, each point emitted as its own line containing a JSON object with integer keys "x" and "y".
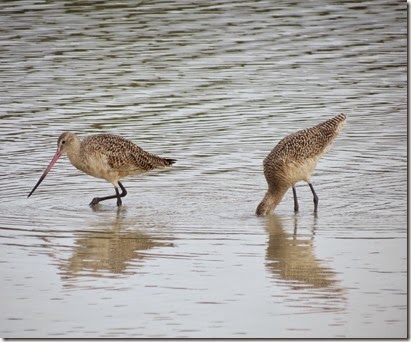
{"x": 214, "y": 85}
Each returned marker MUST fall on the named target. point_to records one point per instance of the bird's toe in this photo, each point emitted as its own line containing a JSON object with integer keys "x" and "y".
{"x": 95, "y": 201}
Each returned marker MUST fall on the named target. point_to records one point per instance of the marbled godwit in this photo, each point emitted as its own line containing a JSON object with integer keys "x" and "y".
{"x": 294, "y": 159}
{"x": 106, "y": 156}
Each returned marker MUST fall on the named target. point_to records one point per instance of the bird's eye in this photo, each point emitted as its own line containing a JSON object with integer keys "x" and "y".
{"x": 63, "y": 142}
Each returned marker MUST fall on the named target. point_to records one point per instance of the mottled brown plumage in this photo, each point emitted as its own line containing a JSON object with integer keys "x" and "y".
{"x": 106, "y": 156}
{"x": 294, "y": 159}
{"x": 120, "y": 156}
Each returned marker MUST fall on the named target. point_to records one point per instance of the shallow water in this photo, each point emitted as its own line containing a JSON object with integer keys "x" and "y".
{"x": 216, "y": 86}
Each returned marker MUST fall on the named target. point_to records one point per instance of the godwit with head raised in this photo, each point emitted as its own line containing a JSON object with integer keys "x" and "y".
{"x": 106, "y": 156}
{"x": 294, "y": 159}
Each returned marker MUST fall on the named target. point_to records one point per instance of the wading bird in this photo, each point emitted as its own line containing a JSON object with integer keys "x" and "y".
{"x": 106, "y": 156}
{"x": 294, "y": 159}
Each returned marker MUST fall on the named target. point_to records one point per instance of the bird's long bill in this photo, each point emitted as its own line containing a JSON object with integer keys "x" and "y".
{"x": 53, "y": 161}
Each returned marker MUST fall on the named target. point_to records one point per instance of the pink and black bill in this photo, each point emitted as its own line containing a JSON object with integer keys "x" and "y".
{"x": 53, "y": 161}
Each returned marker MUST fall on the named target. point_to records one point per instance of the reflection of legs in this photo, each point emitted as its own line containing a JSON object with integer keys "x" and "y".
{"x": 117, "y": 195}
{"x": 315, "y": 197}
{"x": 295, "y": 199}
{"x": 295, "y": 224}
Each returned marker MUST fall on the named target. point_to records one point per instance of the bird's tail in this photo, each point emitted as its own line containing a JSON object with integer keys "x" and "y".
{"x": 161, "y": 162}
{"x": 334, "y": 125}
{"x": 340, "y": 117}
{"x": 152, "y": 161}
{"x": 169, "y": 161}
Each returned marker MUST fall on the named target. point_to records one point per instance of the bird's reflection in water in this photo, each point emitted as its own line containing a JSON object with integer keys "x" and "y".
{"x": 290, "y": 257}
{"x": 109, "y": 250}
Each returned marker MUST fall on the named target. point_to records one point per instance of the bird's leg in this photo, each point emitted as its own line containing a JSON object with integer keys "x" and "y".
{"x": 123, "y": 190}
{"x": 119, "y": 203}
{"x": 315, "y": 197}
{"x": 295, "y": 199}
{"x": 97, "y": 200}
{"x": 123, "y": 193}
{"x": 118, "y": 195}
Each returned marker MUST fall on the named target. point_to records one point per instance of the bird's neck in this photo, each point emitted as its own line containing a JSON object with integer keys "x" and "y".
{"x": 74, "y": 154}
{"x": 271, "y": 199}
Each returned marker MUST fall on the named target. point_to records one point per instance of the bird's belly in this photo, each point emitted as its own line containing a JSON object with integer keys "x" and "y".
{"x": 96, "y": 168}
{"x": 125, "y": 173}
{"x": 111, "y": 175}
{"x": 300, "y": 171}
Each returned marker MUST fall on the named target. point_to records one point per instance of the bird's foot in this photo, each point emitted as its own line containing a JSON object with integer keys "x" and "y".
{"x": 119, "y": 203}
{"x": 94, "y": 202}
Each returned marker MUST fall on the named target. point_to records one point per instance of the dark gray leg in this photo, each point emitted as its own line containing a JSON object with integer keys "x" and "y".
{"x": 295, "y": 200}
{"x": 315, "y": 197}
{"x": 123, "y": 190}
{"x": 123, "y": 193}
{"x": 119, "y": 203}
{"x": 97, "y": 200}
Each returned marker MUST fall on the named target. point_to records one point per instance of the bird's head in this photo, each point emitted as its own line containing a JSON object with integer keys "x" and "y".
{"x": 270, "y": 201}
{"x": 66, "y": 142}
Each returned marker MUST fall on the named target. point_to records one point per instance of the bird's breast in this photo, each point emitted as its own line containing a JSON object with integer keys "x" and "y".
{"x": 290, "y": 172}
{"x": 96, "y": 166}
{"x": 301, "y": 171}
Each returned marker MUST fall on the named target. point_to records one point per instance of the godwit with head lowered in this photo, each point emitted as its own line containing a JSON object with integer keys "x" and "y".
{"x": 106, "y": 156}
{"x": 294, "y": 159}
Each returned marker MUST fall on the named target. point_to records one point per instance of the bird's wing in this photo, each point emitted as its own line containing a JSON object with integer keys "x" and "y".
{"x": 122, "y": 154}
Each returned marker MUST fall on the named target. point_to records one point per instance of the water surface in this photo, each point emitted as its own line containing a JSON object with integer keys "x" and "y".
{"x": 215, "y": 86}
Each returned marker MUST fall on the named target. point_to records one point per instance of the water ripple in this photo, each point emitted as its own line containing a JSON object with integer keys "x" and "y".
{"x": 216, "y": 86}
